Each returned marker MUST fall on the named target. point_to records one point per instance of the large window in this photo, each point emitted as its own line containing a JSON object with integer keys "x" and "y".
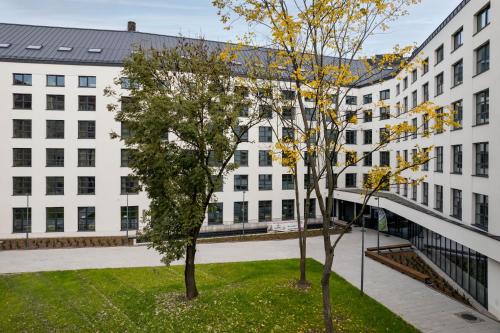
{"x": 265, "y": 158}
{"x": 265, "y": 211}
{"x": 129, "y": 217}
{"x": 287, "y": 209}
{"x": 350, "y": 180}
{"x": 367, "y": 137}
{"x": 86, "y": 129}
{"x": 483, "y": 107}
{"x": 385, "y": 158}
{"x": 215, "y": 213}
{"x": 456, "y": 151}
{"x": 86, "y": 185}
{"x": 54, "y": 186}
{"x": 414, "y": 99}
{"x": 287, "y": 182}
{"x": 86, "y": 103}
{"x": 240, "y": 214}
{"x": 457, "y": 115}
{"x": 439, "y": 159}
{"x": 55, "y": 129}
{"x": 458, "y": 73}
{"x": 482, "y": 58}
{"x": 86, "y": 81}
{"x": 21, "y": 220}
{"x": 241, "y": 158}
{"x": 351, "y": 100}
{"x": 21, "y": 157}
{"x": 265, "y": 112}
{"x": 21, "y": 128}
{"x": 287, "y": 133}
{"x": 129, "y": 185}
{"x": 439, "y": 84}
{"x": 385, "y": 113}
{"x": 265, "y": 182}
{"x": 439, "y": 54}
{"x": 456, "y": 203}
{"x": 265, "y": 134}
{"x": 481, "y": 211}
{"x": 425, "y": 193}
{"x": 367, "y": 116}
{"x": 483, "y": 18}
{"x": 54, "y": 157}
{"x": 350, "y": 137}
{"x": 86, "y": 157}
{"x": 54, "y": 219}
{"x": 385, "y": 94}
{"x": 458, "y": 38}
{"x": 21, "y": 79}
{"x": 367, "y": 158}
{"x": 482, "y": 158}
{"x": 367, "y": 99}
{"x": 21, "y": 185}
{"x": 438, "y": 198}
{"x": 55, "y": 102}
{"x": 55, "y": 80}
{"x": 241, "y": 182}
{"x": 86, "y": 218}
{"x": 242, "y": 133}
{"x": 425, "y": 92}
{"x": 22, "y": 101}
{"x": 125, "y": 158}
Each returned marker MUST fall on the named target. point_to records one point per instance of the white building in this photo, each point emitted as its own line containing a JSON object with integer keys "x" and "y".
{"x": 56, "y": 147}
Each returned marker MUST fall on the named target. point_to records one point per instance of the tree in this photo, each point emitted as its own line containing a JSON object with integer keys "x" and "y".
{"x": 317, "y": 52}
{"x": 182, "y": 116}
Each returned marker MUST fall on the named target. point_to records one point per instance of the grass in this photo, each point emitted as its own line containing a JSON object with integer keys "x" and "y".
{"x": 236, "y": 297}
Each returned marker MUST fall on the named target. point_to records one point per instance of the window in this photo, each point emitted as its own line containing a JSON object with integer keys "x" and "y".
{"x": 265, "y": 134}
{"x": 125, "y": 158}
{"x": 310, "y": 114}
{"x": 458, "y": 73}
{"x": 55, "y": 80}
{"x": 241, "y": 182}
{"x": 439, "y": 121}
{"x": 351, "y": 116}
{"x": 425, "y": 193}
{"x": 405, "y": 83}
{"x": 350, "y": 137}
{"x": 483, "y": 107}
{"x": 456, "y": 156}
{"x": 439, "y": 159}
{"x": 398, "y": 89}
{"x": 129, "y": 217}
{"x": 265, "y": 211}
{"x": 385, "y": 94}
{"x": 405, "y": 105}
{"x": 287, "y": 182}
{"x": 350, "y": 180}
{"x": 414, "y": 191}
{"x": 54, "y": 219}
{"x": 265, "y": 182}
{"x": 86, "y": 129}
{"x": 367, "y": 99}
{"x": 55, "y": 102}
{"x": 54, "y": 186}
{"x": 22, "y": 101}
{"x": 21, "y": 79}
{"x": 385, "y": 158}
{"x": 86, "y": 158}
{"x": 265, "y": 92}
{"x": 310, "y": 208}
{"x": 414, "y": 99}
{"x": 367, "y": 137}
{"x": 438, "y": 198}
{"x": 21, "y": 128}
{"x": 425, "y": 66}
{"x": 481, "y": 211}
{"x": 456, "y": 203}
{"x": 55, "y": 129}
{"x": 242, "y": 133}
{"x": 367, "y": 159}
{"x": 439, "y": 84}
{"x": 287, "y": 133}
{"x": 439, "y": 54}
{"x": 244, "y": 111}
{"x": 21, "y": 157}
{"x": 351, "y": 100}
{"x": 241, "y": 212}
{"x": 287, "y": 209}
{"x": 457, "y": 115}
{"x": 86, "y": 218}
{"x": 265, "y": 158}
{"x": 241, "y": 157}
{"x": 86, "y": 81}
{"x": 482, "y": 58}
{"x": 54, "y": 157}
{"x": 126, "y": 83}
{"x": 482, "y": 159}
{"x": 288, "y": 113}
{"x": 483, "y": 18}
{"x": 288, "y": 95}
{"x": 351, "y": 158}
{"x": 21, "y": 220}
{"x": 215, "y": 213}
{"x": 385, "y": 113}
{"x": 458, "y": 39}
{"x": 414, "y": 76}
{"x": 86, "y": 103}
{"x": 367, "y": 116}
{"x": 414, "y": 124}
{"x": 129, "y": 185}
{"x": 384, "y": 135}
{"x": 241, "y": 91}
{"x": 86, "y": 185}
{"x": 125, "y": 131}
{"x": 218, "y": 183}
{"x": 21, "y": 185}
{"x": 265, "y": 112}
{"x": 425, "y": 92}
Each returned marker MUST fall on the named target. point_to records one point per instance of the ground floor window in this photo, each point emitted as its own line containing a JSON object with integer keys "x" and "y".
{"x": 86, "y": 218}
{"x": 287, "y": 209}
{"x": 55, "y": 219}
{"x": 21, "y": 218}
{"x": 215, "y": 213}
{"x": 241, "y": 212}
{"x": 265, "y": 211}
{"x": 129, "y": 214}
{"x": 312, "y": 208}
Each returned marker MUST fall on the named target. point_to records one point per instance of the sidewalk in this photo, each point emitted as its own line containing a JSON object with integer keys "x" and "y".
{"x": 423, "y": 307}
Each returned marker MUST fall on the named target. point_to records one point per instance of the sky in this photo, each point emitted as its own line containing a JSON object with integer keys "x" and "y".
{"x": 195, "y": 18}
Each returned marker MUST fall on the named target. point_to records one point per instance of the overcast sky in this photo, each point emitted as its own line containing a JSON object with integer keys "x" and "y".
{"x": 193, "y": 18}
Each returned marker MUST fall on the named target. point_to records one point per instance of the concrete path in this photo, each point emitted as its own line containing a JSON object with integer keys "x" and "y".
{"x": 419, "y": 305}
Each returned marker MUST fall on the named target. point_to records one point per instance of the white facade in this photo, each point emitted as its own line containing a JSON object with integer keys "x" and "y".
{"x": 108, "y": 199}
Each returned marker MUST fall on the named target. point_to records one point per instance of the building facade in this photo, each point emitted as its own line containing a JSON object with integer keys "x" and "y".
{"x": 62, "y": 175}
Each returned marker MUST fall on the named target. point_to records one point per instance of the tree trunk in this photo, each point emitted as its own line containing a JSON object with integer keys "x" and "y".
{"x": 302, "y": 238}
{"x": 189, "y": 271}
{"x": 325, "y": 288}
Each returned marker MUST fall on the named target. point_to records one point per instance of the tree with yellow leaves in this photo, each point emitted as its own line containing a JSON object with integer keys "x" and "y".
{"x": 316, "y": 52}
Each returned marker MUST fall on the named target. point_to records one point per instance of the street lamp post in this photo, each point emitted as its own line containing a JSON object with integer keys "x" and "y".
{"x": 127, "y": 218}
{"x": 362, "y": 255}
{"x": 243, "y": 217}
{"x": 26, "y": 227}
{"x": 378, "y": 226}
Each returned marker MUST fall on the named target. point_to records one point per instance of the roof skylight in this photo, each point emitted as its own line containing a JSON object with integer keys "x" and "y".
{"x": 34, "y": 47}
{"x": 95, "y": 50}
{"x": 4, "y": 45}
{"x": 64, "y": 48}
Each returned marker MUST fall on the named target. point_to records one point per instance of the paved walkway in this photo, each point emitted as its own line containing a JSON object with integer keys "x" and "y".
{"x": 421, "y": 306}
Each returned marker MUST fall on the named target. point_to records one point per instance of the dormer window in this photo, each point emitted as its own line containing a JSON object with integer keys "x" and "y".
{"x": 95, "y": 50}
{"x": 34, "y": 47}
{"x": 65, "y": 49}
{"x": 4, "y": 45}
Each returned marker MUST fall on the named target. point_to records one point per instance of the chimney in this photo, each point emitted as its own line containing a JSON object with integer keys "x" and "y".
{"x": 131, "y": 26}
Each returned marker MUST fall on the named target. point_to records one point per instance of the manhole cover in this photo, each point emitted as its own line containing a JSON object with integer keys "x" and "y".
{"x": 470, "y": 317}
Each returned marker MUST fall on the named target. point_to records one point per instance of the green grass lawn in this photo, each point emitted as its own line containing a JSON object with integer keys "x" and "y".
{"x": 236, "y": 297}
